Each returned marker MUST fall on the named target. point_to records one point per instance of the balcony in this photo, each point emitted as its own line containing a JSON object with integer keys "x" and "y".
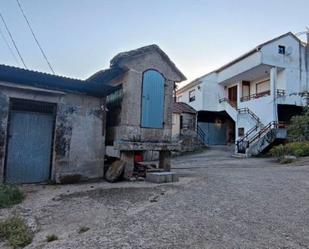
{"x": 280, "y": 93}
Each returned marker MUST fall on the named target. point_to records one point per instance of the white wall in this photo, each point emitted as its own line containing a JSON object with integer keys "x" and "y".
{"x": 243, "y": 65}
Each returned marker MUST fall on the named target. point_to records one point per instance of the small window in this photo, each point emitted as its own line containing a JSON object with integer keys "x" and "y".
{"x": 241, "y": 132}
{"x": 192, "y": 95}
{"x": 281, "y": 49}
{"x": 179, "y": 98}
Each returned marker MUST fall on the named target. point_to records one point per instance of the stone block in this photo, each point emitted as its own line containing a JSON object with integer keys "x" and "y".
{"x": 162, "y": 177}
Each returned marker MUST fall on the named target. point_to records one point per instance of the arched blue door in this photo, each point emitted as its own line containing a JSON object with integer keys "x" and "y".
{"x": 152, "y": 100}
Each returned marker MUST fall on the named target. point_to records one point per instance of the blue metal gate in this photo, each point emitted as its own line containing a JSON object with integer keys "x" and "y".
{"x": 152, "y": 100}
{"x": 29, "y": 147}
{"x": 215, "y": 134}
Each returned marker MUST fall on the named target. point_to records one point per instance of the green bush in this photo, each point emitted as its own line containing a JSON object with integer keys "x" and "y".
{"x": 298, "y": 149}
{"x": 16, "y": 232}
{"x": 298, "y": 129}
{"x": 10, "y": 195}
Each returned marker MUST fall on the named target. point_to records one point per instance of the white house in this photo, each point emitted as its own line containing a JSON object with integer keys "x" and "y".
{"x": 249, "y": 99}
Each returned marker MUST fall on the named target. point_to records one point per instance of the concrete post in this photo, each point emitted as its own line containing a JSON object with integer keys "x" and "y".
{"x": 239, "y": 92}
{"x": 273, "y": 91}
{"x": 165, "y": 160}
{"x": 128, "y": 158}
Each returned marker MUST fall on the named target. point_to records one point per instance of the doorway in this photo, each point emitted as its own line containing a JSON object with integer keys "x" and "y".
{"x": 30, "y": 139}
{"x": 232, "y": 95}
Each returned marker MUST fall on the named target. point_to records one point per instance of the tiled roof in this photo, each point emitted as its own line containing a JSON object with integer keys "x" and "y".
{"x": 181, "y": 107}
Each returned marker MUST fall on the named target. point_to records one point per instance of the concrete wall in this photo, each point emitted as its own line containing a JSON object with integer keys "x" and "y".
{"x": 78, "y": 147}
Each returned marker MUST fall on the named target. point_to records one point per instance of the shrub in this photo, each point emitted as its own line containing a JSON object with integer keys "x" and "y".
{"x": 51, "y": 237}
{"x": 16, "y": 232}
{"x": 10, "y": 195}
{"x": 298, "y": 149}
{"x": 298, "y": 129}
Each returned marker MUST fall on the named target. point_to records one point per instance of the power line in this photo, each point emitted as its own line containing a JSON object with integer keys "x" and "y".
{"x": 34, "y": 36}
{"x": 9, "y": 47}
{"x": 12, "y": 39}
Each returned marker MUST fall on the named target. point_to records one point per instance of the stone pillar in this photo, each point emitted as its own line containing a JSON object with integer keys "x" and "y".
{"x": 128, "y": 158}
{"x": 273, "y": 91}
{"x": 165, "y": 160}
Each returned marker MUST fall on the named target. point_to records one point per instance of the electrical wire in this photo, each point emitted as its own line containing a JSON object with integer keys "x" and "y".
{"x": 35, "y": 38}
{"x": 9, "y": 47}
{"x": 13, "y": 41}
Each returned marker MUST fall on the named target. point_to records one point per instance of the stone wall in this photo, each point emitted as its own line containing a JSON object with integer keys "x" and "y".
{"x": 130, "y": 128}
{"x": 78, "y": 148}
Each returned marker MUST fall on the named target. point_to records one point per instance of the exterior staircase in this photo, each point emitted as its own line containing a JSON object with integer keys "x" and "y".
{"x": 229, "y": 107}
{"x": 261, "y": 140}
{"x": 260, "y": 136}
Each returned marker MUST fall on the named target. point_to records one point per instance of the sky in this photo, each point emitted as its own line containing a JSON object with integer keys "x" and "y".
{"x": 80, "y": 37}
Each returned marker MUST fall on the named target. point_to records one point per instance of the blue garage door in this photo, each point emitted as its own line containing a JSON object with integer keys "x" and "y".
{"x": 29, "y": 147}
{"x": 215, "y": 133}
{"x": 153, "y": 100}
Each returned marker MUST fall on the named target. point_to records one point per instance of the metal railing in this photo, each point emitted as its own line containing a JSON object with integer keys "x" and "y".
{"x": 246, "y": 141}
{"x": 201, "y": 135}
{"x": 280, "y": 92}
{"x": 233, "y": 104}
{"x": 254, "y": 96}
{"x": 251, "y": 113}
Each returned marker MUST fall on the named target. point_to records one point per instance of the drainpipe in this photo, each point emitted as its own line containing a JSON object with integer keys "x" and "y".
{"x": 273, "y": 91}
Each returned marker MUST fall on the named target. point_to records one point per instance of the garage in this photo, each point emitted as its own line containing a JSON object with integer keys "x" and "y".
{"x": 30, "y": 139}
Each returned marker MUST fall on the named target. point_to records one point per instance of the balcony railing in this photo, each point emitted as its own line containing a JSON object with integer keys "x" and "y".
{"x": 280, "y": 93}
{"x": 254, "y": 96}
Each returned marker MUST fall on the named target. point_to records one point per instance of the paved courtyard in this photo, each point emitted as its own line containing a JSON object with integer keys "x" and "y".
{"x": 220, "y": 202}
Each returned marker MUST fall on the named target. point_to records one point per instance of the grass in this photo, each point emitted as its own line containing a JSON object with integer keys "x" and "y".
{"x": 51, "y": 237}
{"x": 16, "y": 232}
{"x": 83, "y": 229}
{"x": 10, "y": 195}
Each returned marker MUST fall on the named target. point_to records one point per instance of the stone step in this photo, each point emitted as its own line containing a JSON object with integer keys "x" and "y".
{"x": 162, "y": 177}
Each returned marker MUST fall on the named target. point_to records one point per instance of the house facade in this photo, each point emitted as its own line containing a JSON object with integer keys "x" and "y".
{"x": 61, "y": 129}
{"x": 249, "y": 99}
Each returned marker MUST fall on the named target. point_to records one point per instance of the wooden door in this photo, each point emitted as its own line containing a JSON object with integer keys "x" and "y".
{"x": 232, "y": 95}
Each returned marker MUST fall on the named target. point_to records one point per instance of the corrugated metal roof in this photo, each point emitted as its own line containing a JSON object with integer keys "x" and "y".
{"x": 55, "y": 82}
{"x": 181, "y": 107}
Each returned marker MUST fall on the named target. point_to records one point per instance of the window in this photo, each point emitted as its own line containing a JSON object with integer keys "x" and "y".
{"x": 263, "y": 87}
{"x": 192, "y": 95}
{"x": 152, "y": 115}
{"x": 281, "y": 49}
{"x": 179, "y": 98}
{"x": 241, "y": 132}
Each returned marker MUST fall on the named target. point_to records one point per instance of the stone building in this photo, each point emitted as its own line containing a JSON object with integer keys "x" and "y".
{"x": 57, "y": 128}
{"x": 185, "y": 130}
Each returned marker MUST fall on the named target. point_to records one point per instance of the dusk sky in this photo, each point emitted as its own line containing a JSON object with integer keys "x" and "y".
{"x": 80, "y": 37}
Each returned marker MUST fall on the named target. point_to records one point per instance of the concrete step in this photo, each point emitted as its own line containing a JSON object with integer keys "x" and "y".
{"x": 162, "y": 177}
{"x": 239, "y": 155}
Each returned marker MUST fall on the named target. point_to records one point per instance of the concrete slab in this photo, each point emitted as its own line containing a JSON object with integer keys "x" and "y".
{"x": 162, "y": 177}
